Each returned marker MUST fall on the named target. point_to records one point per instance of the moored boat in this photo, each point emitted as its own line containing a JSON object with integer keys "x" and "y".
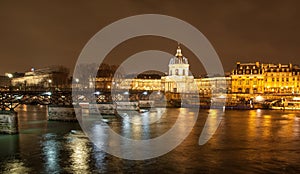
{"x": 286, "y": 104}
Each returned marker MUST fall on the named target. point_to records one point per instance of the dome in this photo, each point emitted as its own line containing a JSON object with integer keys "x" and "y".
{"x": 179, "y": 58}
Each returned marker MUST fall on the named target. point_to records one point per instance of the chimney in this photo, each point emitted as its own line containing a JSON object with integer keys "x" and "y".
{"x": 257, "y": 64}
{"x": 238, "y": 64}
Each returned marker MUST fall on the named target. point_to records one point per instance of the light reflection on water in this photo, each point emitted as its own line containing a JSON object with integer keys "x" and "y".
{"x": 255, "y": 141}
{"x": 51, "y": 151}
{"x": 80, "y": 151}
{"x": 15, "y": 166}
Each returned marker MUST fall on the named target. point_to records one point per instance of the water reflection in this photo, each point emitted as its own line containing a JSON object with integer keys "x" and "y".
{"x": 51, "y": 149}
{"x": 77, "y": 144}
{"x": 15, "y": 166}
{"x": 211, "y": 125}
{"x": 256, "y": 141}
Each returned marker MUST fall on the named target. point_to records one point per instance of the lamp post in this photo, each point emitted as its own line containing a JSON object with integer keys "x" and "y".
{"x": 10, "y": 76}
{"x": 49, "y": 84}
{"x": 77, "y": 83}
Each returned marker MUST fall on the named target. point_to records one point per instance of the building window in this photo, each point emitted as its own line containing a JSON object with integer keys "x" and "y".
{"x": 247, "y": 90}
{"x": 254, "y": 90}
{"x": 183, "y": 72}
{"x": 176, "y": 72}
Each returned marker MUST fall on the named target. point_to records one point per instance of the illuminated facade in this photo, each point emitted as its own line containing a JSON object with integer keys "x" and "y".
{"x": 214, "y": 85}
{"x": 55, "y": 76}
{"x": 256, "y": 78}
{"x": 281, "y": 78}
{"x": 178, "y": 79}
{"x": 247, "y": 78}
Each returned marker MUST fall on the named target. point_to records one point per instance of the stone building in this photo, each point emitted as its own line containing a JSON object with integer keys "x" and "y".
{"x": 247, "y": 78}
{"x": 257, "y": 78}
{"x": 54, "y": 76}
{"x": 281, "y": 78}
{"x": 216, "y": 85}
{"x": 178, "y": 79}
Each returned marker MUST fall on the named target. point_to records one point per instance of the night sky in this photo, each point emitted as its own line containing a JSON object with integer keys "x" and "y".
{"x": 42, "y": 33}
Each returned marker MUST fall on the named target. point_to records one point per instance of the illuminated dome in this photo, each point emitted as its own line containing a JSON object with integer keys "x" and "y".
{"x": 179, "y": 58}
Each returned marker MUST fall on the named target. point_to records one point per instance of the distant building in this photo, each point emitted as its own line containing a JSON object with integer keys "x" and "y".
{"x": 54, "y": 76}
{"x": 257, "y": 78}
{"x": 281, "y": 78}
{"x": 247, "y": 78}
{"x": 216, "y": 85}
{"x": 178, "y": 79}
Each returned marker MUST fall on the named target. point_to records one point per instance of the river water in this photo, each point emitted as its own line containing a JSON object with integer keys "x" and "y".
{"x": 251, "y": 141}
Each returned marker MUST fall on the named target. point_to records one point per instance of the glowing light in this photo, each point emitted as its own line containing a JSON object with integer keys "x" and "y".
{"x": 259, "y": 98}
{"x": 47, "y": 93}
{"x": 97, "y": 92}
{"x": 296, "y": 98}
{"x": 9, "y": 75}
{"x": 222, "y": 96}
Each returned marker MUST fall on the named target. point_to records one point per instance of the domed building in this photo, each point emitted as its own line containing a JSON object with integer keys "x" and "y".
{"x": 178, "y": 79}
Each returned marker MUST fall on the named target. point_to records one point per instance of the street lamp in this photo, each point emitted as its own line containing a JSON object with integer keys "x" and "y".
{"x": 10, "y": 76}
{"x": 49, "y": 83}
{"x": 77, "y": 81}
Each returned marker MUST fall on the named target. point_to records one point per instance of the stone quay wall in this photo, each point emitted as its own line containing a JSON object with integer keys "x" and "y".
{"x": 63, "y": 113}
{"x": 8, "y": 122}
